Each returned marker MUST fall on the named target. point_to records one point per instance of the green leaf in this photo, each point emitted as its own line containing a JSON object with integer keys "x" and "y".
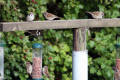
{"x": 92, "y": 70}
{"x": 91, "y": 44}
{"x": 99, "y": 73}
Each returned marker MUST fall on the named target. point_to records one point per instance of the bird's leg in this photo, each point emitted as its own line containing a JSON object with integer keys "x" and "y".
{"x": 99, "y": 19}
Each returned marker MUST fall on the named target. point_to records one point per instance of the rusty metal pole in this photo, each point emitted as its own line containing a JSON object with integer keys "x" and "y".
{"x": 80, "y": 56}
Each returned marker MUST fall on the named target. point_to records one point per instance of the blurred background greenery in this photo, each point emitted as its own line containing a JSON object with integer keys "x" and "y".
{"x": 58, "y": 43}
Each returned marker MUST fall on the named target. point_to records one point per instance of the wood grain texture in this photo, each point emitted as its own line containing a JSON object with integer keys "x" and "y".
{"x": 59, "y": 24}
{"x": 79, "y": 37}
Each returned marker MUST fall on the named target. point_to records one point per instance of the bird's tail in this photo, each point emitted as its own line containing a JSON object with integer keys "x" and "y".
{"x": 58, "y": 18}
{"x": 88, "y": 12}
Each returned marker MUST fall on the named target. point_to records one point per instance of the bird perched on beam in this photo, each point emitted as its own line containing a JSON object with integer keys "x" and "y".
{"x": 50, "y": 16}
{"x": 30, "y": 17}
{"x": 45, "y": 71}
{"x": 95, "y": 14}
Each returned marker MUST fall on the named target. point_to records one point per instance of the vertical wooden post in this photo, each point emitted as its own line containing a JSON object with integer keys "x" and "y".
{"x": 80, "y": 55}
{"x": 79, "y": 38}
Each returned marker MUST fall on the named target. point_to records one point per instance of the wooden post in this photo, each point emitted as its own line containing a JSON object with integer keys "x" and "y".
{"x": 79, "y": 38}
{"x": 80, "y": 55}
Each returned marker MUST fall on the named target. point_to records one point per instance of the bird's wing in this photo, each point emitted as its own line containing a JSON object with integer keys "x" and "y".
{"x": 96, "y": 13}
{"x": 52, "y": 15}
{"x": 88, "y": 12}
{"x": 93, "y": 13}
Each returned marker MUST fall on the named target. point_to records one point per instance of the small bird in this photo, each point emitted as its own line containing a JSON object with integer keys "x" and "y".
{"x": 29, "y": 68}
{"x": 33, "y": 33}
{"x": 117, "y": 74}
{"x": 30, "y": 17}
{"x": 95, "y": 14}
{"x": 50, "y": 16}
{"x": 45, "y": 71}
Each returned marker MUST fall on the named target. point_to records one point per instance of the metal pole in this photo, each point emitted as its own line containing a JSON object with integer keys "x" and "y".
{"x": 1, "y": 59}
{"x": 80, "y": 55}
{"x": 1, "y": 63}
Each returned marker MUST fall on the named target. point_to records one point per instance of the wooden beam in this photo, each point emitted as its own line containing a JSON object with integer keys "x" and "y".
{"x": 79, "y": 39}
{"x": 59, "y": 24}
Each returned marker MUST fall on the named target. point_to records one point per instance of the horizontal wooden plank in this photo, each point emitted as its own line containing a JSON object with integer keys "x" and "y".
{"x": 59, "y": 24}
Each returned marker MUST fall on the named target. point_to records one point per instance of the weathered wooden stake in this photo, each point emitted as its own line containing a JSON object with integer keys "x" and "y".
{"x": 79, "y": 39}
{"x": 80, "y": 56}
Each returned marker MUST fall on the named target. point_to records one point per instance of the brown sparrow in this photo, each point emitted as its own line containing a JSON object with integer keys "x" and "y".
{"x": 50, "y": 16}
{"x": 32, "y": 33}
{"x": 45, "y": 71}
{"x": 30, "y": 17}
{"x": 117, "y": 74}
{"x": 29, "y": 68}
{"x": 95, "y": 15}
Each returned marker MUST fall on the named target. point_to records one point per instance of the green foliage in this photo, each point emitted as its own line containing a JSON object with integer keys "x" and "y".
{"x": 16, "y": 54}
{"x": 2, "y": 2}
{"x": 57, "y": 54}
{"x": 58, "y": 43}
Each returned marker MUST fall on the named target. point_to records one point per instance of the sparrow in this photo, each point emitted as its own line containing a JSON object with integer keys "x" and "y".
{"x": 29, "y": 68}
{"x": 33, "y": 33}
{"x": 95, "y": 14}
{"x": 30, "y": 17}
{"x": 45, "y": 71}
{"x": 50, "y": 16}
{"x": 117, "y": 74}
